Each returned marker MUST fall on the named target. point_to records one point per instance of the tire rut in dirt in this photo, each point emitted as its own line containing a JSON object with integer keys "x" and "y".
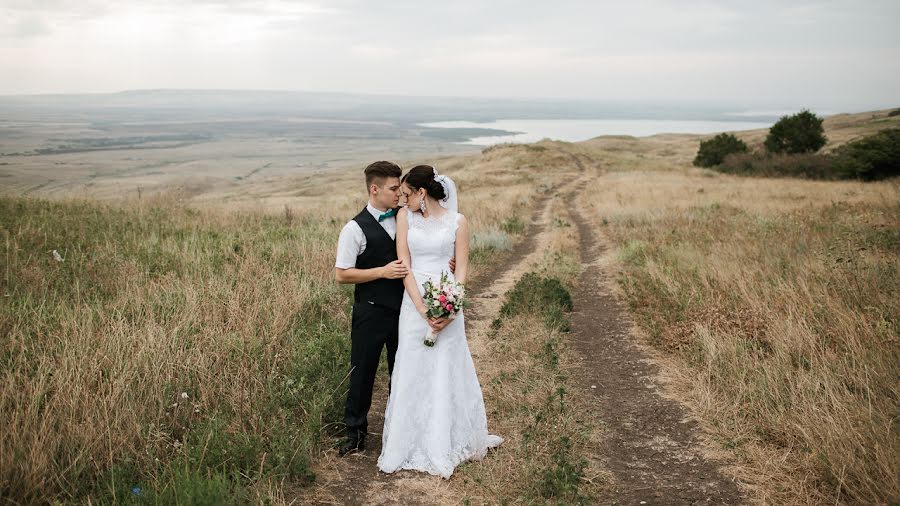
{"x": 651, "y": 443}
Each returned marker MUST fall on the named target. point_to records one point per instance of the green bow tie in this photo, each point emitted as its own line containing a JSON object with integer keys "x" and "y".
{"x": 391, "y": 212}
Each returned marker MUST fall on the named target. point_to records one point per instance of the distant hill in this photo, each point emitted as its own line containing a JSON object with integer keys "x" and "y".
{"x": 169, "y": 105}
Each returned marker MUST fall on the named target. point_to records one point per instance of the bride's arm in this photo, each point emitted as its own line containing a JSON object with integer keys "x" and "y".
{"x": 409, "y": 282}
{"x": 462, "y": 249}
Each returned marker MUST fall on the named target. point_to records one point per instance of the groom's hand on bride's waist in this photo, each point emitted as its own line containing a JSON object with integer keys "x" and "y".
{"x": 394, "y": 270}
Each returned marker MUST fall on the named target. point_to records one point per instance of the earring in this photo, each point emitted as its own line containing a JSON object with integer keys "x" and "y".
{"x": 422, "y": 205}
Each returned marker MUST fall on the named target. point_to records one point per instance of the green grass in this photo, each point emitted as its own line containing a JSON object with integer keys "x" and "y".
{"x": 485, "y": 246}
{"x": 563, "y": 479}
{"x": 513, "y": 225}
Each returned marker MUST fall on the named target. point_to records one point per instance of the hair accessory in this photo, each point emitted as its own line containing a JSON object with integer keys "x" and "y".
{"x": 450, "y": 200}
{"x": 442, "y": 180}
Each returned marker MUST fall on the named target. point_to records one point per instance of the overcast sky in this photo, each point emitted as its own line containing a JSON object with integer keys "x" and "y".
{"x": 831, "y": 54}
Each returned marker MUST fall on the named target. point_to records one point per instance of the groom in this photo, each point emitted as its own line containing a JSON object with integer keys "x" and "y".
{"x": 367, "y": 257}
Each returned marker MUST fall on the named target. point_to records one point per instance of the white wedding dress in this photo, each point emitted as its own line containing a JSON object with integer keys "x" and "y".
{"x": 435, "y": 415}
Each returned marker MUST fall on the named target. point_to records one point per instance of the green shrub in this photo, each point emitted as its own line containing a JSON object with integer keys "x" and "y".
{"x": 801, "y": 133}
{"x": 536, "y": 294}
{"x": 713, "y": 151}
{"x": 871, "y": 158}
{"x": 806, "y": 165}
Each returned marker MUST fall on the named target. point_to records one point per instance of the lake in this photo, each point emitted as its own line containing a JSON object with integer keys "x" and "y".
{"x": 574, "y": 130}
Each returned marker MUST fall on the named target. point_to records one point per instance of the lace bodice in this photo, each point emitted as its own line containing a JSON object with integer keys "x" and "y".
{"x": 432, "y": 242}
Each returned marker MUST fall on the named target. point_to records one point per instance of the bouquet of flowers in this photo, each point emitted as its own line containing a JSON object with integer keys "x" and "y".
{"x": 443, "y": 300}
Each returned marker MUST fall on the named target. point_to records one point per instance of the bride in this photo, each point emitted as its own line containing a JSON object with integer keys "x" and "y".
{"x": 435, "y": 415}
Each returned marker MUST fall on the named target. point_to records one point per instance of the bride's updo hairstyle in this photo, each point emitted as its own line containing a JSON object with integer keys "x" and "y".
{"x": 422, "y": 176}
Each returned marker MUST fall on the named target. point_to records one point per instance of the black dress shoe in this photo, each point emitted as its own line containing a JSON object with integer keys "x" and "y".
{"x": 352, "y": 446}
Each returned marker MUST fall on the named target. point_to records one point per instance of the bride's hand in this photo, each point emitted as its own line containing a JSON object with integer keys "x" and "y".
{"x": 438, "y": 324}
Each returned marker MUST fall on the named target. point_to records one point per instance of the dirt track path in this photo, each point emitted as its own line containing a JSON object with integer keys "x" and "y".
{"x": 652, "y": 446}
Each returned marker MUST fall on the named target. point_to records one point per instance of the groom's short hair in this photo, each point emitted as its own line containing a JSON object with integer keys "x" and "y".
{"x": 377, "y": 172}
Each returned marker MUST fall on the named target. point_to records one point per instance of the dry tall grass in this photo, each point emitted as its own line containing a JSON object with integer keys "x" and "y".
{"x": 780, "y": 297}
{"x": 163, "y": 335}
{"x": 187, "y": 345}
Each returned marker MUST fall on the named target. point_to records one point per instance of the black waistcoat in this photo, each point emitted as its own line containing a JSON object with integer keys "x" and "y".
{"x": 380, "y": 250}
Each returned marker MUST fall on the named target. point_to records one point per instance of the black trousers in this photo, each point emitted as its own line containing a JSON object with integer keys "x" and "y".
{"x": 373, "y": 328}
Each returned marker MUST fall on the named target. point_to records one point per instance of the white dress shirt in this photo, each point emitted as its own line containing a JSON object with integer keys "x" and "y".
{"x": 352, "y": 241}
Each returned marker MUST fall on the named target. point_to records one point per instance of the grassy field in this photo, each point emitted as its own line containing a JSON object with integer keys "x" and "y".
{"x": 169, "y": 350}
{"x": 191, "y": 353}
{"x": 191, "y": 346}
{"x": 777, "y": 300}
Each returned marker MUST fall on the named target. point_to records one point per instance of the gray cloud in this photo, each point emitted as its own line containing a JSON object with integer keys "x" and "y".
{"x": 831, "y": 52}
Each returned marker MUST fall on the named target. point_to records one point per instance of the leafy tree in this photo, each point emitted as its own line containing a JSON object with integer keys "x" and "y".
{"x": 801, "y": 133}
{"x": 713, "y": 151}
